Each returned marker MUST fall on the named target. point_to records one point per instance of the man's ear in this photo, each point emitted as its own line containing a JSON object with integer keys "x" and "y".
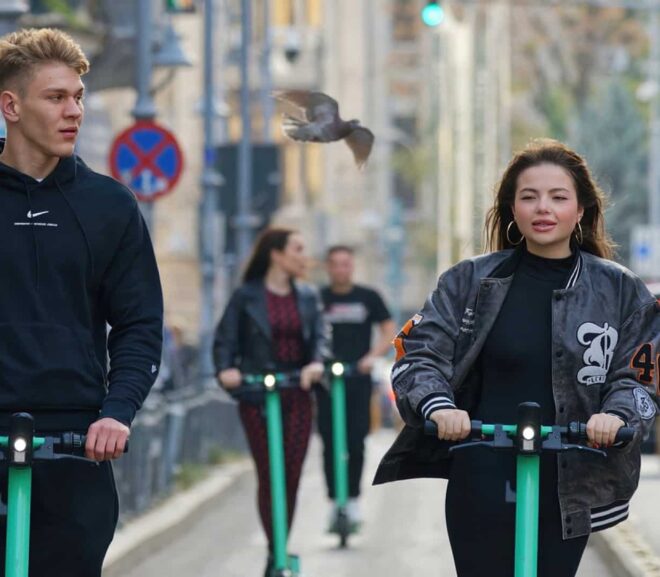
{"x": 9, "y": 106}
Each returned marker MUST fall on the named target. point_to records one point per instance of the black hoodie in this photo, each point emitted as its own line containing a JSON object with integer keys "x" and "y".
{"x": 75, "y": 257}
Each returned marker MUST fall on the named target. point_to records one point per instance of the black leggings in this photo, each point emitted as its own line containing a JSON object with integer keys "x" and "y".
{"x": 74, "y": 514}
{"x": 358, "y": 396}
{"x": 481, "y": 524}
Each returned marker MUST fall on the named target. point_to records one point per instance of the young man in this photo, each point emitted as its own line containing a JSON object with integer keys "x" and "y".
{"x": 352, "y": 310}
{"x": 76, "y": 257}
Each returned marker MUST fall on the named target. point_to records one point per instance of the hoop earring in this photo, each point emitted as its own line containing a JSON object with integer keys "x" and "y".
{"x": 508, "y": 229}
{"x": 578, "y": 234}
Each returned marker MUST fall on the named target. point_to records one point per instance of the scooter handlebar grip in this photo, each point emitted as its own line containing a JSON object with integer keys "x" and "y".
{"x": 579, "y": 431}
{"x": 624, "y": 435}
{"x": 431, "y": 428}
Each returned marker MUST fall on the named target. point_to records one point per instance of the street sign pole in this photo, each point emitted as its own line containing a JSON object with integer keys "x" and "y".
{"x": 144, "y": 106}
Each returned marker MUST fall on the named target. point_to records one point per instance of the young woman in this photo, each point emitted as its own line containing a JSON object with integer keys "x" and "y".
{"x": 546, "y": 317}
{"x": 273, "y": 323}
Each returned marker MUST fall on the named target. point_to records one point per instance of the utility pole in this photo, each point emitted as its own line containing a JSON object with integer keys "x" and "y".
{"x": 10, "y": 12}
{"x": 145, "y": 109}
{"x": 208, "y": 215}
{"x": 266, "y": 76}
{"x": 244, "y": 220}
{"x": 654, "y": 146}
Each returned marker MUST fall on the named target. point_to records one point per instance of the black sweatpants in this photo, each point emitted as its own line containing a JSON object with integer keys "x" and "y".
{"x": 358, "y": 397}
{"x": 74, "y": 515}
{"x": 481, "y": 523}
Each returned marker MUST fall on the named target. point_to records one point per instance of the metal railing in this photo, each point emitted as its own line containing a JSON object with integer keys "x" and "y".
{"x": 190, "y": 425}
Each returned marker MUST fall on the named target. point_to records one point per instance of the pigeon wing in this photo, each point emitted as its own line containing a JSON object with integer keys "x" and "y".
{"x": 318, "y": 107}
{"x": 360, "y": 141}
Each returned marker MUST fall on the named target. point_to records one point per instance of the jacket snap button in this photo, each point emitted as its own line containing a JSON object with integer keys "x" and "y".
{"x": 568, "y": 519}
{"x": 559, "y": 353}
{"x": 561, "y": 409}
{"x": 569, "y": 531}
{"x": 559, "y": 297}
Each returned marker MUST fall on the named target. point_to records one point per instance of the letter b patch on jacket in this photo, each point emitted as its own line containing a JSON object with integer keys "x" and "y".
{"x": 600, "y": 343}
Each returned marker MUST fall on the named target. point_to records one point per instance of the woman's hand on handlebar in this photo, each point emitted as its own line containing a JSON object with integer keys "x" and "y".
{"x": 602, "y": 429}
{"x": 310, "y": 374}
{"x": 230, "y": 378}
{"x": 453, "y": 424}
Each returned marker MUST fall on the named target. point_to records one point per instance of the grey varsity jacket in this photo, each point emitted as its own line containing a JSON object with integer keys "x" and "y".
{"x": 605, "y": 347}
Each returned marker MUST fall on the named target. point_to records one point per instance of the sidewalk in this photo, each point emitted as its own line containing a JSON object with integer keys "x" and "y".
{"x": 633, "y": 547}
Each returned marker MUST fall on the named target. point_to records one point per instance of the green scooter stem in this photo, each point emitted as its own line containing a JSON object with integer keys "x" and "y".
{"x": 18, "y": 522}
{"x": 527, "y": 515}
{"x": 339, "y": 442}
{"x": 277, "y": 478}
{"x": 19, "y": 498}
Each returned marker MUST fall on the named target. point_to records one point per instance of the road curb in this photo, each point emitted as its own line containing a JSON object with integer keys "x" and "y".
{"x": 152, "y": 531}
{"x": 626, "y": 551}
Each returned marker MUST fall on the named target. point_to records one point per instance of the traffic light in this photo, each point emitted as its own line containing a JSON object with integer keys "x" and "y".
{"x": 179, "y": 6}
{"x": 433, "y": 13}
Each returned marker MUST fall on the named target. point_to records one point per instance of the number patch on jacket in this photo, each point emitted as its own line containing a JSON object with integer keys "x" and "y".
{"x": 646, "y": 362}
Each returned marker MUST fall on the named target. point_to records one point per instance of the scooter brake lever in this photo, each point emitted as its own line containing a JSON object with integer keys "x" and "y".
{"x": 471, "y": 444}
{"x": 74, "y": 457}
{"x": 571, "y": 447}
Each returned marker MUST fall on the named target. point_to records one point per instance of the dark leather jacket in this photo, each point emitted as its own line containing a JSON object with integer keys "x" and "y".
{"x": 243, "y": 337}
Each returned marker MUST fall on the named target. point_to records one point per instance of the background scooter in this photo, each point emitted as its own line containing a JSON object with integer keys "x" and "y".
{"x": 284, "y": 564}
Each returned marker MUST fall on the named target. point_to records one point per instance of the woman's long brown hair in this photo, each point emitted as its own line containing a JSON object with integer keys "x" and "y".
{"x": 274, "y": 238}
{"x": 589, "y": 195}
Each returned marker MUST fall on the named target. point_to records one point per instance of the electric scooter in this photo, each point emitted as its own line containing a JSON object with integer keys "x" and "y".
{"x": 342, "y": 525}
{"x": 528, "y": 439}
{"x": 283, "y": 564}
{"x": 20, "y": 448}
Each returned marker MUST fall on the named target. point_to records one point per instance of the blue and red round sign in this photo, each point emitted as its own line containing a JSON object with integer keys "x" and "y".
{"x": 146, "y": 157}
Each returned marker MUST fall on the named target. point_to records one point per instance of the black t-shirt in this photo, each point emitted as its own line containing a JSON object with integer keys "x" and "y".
{"x": 352, "y": 316}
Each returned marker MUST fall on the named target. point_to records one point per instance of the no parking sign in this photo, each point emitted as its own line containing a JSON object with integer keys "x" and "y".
{"x": 146, "y": 157}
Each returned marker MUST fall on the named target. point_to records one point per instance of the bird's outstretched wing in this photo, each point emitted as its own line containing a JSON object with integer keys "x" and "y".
{"x": 318, "y": 108}
{"x": 360, "y": 141}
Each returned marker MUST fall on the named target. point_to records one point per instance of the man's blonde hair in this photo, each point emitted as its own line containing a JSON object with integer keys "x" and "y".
{"x": 22, "y": 51}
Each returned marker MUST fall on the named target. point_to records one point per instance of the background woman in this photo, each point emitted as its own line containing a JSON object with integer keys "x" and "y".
{"x": 274, "y": 323}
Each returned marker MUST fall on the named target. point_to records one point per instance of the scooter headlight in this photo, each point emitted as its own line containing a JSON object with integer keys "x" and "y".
{"x": 269, "y": 381}
{"x": 337, "y": 369}
{"x": 20, "y": 444}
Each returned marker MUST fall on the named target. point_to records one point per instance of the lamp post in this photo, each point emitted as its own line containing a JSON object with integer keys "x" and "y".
{"x": 208, "y": 215}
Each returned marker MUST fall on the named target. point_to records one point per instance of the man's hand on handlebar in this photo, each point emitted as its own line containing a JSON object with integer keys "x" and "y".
{"x": 106, "y": 439}
{"x": 602, "y": 429}
{"x": 230, "y": 378}
{"x": 453, "y": 424}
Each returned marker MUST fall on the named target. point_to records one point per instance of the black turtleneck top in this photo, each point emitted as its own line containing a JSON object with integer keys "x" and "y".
{"x": 516, "y": 361}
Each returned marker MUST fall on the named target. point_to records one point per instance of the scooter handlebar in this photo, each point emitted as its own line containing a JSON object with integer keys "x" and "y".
{"x": 575, "y": 431}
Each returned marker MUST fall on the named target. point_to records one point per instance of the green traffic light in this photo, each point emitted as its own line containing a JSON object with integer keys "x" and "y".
{"x": 433, "y": 14}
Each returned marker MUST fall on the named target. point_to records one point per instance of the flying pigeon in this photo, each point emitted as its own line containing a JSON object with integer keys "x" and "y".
{"x": 322, "y": 123}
